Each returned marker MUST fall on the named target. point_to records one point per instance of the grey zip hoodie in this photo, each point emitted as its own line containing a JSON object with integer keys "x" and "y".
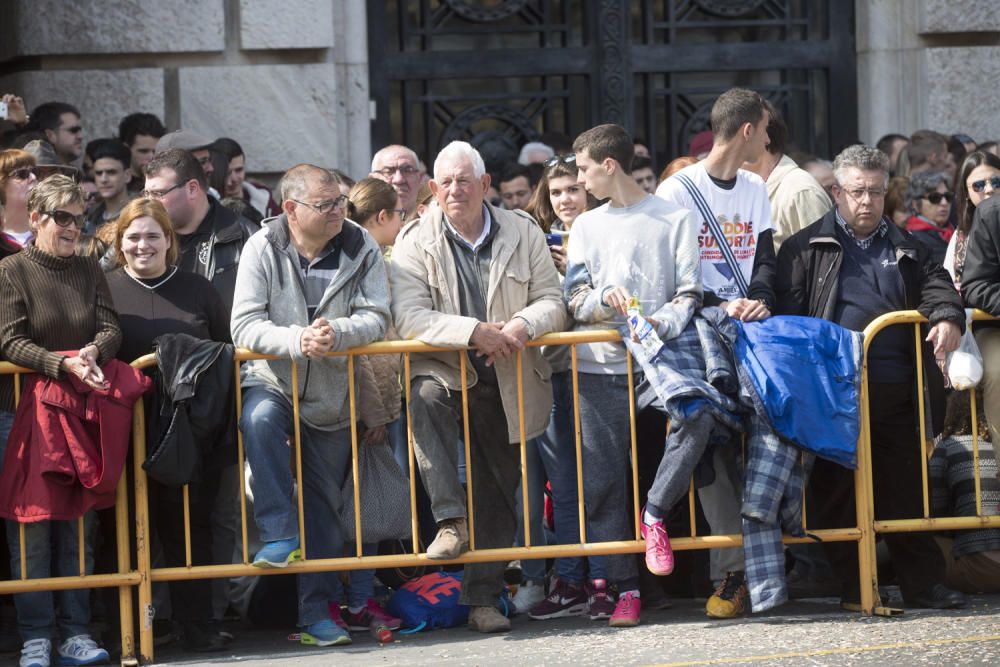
{"x": 269, "y": 315}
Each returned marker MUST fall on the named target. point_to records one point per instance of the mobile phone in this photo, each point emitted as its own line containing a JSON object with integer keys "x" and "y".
{"x": 3, "y": 111}
{"x": 554, "y": 239}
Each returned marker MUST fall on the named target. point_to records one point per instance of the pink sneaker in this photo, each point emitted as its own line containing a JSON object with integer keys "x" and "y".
{"x": 659, "y": 555}
{"x": 626, "y": 612}
{"x": 335, "y": 616}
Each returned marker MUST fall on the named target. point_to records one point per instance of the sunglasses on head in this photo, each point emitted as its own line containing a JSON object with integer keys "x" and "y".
{"x": 65, "y": 218}
{"x": 979, "y": 186}
{"x": 936, "y": 197}
{"x": 559, "y": 159}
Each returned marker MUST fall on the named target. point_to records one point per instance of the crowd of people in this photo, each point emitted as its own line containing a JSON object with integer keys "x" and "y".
{"x": 156, "y": 241}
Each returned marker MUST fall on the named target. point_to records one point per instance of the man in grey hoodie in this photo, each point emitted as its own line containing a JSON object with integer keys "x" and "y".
{"x": 310, "y": 282}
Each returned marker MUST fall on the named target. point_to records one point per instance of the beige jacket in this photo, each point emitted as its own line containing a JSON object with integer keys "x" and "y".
{"x": 523, "y": 283}
{"x": 797, "y": 199}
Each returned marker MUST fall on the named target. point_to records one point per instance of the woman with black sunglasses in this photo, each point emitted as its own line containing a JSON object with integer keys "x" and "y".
{"x": 932, "y": 198}
{"x": 977, "y": 180}
{"x": 17, "y": 178}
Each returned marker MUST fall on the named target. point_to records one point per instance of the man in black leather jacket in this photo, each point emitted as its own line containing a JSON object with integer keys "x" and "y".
{"x": 210, "y": 237}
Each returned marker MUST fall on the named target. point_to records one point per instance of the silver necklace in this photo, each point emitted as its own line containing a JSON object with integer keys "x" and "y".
{"x": 170, "y": 275}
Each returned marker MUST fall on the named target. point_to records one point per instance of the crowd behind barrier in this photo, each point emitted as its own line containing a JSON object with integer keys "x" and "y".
{"x": 338, "y": 380}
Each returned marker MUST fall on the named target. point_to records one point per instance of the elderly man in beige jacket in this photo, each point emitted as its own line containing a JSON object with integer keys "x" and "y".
{"x": 797, "y": 199}
{"x": 471, "y": 275}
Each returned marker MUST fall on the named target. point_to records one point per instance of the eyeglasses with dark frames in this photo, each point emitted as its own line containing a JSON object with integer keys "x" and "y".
{"x": 404, "y": 169}
{"x": 65, "y": 218}
{"x": 160, "y": 194}
{"x": 936, "y": 197}
{"x": 324, "y": 207}
{"x": 22, "y": 174}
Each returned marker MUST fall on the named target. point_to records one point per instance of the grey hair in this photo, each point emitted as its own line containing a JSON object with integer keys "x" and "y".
{"x": 860, "y": 156}
{"x": 461, "y": 150}
{"x": 380, "y": 155}
{"x": 295, "y": 183}
{"x": 532, "y": 146}
{"x": 924, "y": 182}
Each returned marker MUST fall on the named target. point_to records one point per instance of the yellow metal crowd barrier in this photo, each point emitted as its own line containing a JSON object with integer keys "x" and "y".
{"x": 143, "y": 575}
{"x": 925, "y": 522}
{"x": 125, "y": 579}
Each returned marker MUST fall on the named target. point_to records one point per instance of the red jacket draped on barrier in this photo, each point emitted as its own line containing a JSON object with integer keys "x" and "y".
{"x": 68, "y": 445}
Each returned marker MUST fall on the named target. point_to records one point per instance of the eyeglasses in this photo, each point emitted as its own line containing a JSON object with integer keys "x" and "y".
{"x": 979, "y": 186}
{"x": 160, "y": 194}
{"x": 559, "y": 159}
{"x": 65, "y": 218}
{"x": 325, "y": 207}
{"x": 24, "y": 173}
{"x": 404, "y": 169}
{"x": 936, "y": 197}
{"x": 401, "y": 211}
{"x": 857, "y": 194}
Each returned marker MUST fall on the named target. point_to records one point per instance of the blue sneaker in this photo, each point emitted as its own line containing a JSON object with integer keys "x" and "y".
{"x": 324, "y": 633}
{"x": 278, "y": 553}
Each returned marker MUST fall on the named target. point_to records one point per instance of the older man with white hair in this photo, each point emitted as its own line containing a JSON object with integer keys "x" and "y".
{"x": 471, "y": 275}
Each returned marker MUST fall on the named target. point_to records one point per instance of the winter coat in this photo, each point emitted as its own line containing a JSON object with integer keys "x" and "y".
{"x": 523, "y": 283}
{"x": 68, "y": 445}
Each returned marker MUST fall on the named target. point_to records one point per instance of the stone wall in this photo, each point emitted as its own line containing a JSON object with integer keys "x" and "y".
{"x": 928, "y": 64}
{"x": 288, "y": 79}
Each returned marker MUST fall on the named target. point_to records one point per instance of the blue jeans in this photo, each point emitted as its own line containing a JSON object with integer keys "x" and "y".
{"x": 326, "y": 456}
{"x": 361, "y": 583}
{"x": 36, "y": 612}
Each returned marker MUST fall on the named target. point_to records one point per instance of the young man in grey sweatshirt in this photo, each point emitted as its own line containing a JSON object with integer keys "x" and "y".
{"x": 635, "y": 244}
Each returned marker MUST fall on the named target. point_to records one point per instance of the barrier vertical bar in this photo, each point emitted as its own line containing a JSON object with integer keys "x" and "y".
{"x": 241, "y": 462}
{"x": 142, "y": 542}
{"x": 462, "y": 361}
{"x": 920, "y": 411}
{"x": 865, "y": 507}
{"x": 352, "y": 404}
{"x": 524, "y": 451}
{"x": 24, "y": 552}
{"x": 415, "y": 529}
{"x": 297, "y": 435}
{"x": 186, "y": 498}
{"x": 691, "y": 510}
{"x": 975, "y": 451}
{"x": 81, "y": 546}
{"x": 635, "y": 456}
{"x": 581, "y": 506}
{"x": 125, "y": 617}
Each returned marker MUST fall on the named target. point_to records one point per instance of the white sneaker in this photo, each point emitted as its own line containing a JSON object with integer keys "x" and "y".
{"x": 528, "y": 596}
{"x": 36, "y": 653}
{"x": 81, "y": 650}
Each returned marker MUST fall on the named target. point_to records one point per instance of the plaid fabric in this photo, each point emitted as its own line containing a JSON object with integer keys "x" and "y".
{"x": 772, "y": 501}
{"x": 693, "y": 372}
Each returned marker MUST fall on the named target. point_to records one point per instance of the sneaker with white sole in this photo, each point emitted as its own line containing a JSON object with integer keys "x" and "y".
{"x": 278, "y": 554}
{"x": 563, "y": 600}
{"x": 36, "y": 653}
{"x": 324, "y": 633}
{"x": 527, "y": 596}
{"x": 81, "y": 650}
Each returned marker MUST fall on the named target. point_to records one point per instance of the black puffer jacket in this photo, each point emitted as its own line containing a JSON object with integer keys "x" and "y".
{"x": 191, "y": 425}
{"x": 981, "y": 275}
{"x": 809, "y": 269}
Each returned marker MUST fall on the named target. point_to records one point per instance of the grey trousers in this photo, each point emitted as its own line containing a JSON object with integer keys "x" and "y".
{"x": 722, "y": 503}
{"x": 495, "y": 469}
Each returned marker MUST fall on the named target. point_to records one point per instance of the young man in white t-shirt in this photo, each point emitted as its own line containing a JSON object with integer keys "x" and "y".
{"x": 635, "y": 244}
{"x": 741, "y": 280}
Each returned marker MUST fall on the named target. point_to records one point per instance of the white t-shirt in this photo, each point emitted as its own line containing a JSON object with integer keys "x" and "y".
{"x": 743, "y": 214}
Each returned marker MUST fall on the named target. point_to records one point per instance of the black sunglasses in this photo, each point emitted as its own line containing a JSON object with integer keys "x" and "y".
{"x": 979, "y": 186}
{"x": 936, "y": 197}
{"x": 559, "y": 159}
{"x": 22, "y": 174}
{"x": 65, "y": 218}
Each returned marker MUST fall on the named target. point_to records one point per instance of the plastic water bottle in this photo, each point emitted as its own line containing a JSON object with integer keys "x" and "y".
{"x": 644, "y": 331}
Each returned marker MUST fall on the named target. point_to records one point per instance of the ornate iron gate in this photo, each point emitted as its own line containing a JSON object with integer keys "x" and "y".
{"x": 498, "y": 73}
